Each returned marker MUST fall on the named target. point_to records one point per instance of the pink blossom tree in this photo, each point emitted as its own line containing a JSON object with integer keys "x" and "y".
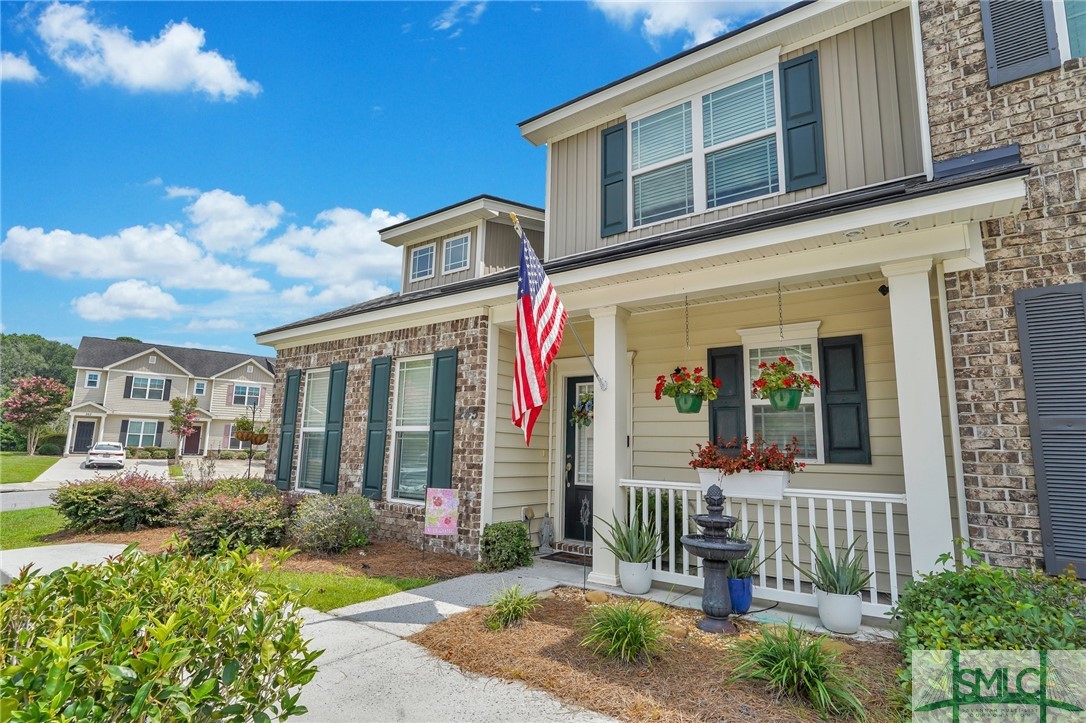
{"x": 35, "y": 403}
{"x": 183, "y": 420}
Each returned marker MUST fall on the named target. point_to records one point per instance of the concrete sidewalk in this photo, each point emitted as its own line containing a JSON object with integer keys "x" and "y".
{"x": 71, "y": 469}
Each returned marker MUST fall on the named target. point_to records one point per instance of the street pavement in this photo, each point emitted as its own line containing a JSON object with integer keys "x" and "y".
{"x": 25, "y": 500}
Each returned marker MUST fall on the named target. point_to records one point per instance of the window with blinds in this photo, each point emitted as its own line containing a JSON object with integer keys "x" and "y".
{"x": 411, "y": 428}
{"x": 684, "y": 162}
{"x": 778, "y": 426}
{"x": 314, "y": 417}
{"x": 1075, "y": 11}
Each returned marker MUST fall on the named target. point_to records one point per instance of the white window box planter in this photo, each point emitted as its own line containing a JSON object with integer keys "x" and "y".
{"x": 764, "y": 485}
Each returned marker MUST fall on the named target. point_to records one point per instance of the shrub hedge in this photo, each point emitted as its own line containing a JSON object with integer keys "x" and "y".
{"x": 231, "y": 520}
{"x": 152, "y": 637}
{"x": 503, "y": 546}
{"x": 329, "y": 523}
{"x": 128, "y": 501}
{"x": 50, "y": 450}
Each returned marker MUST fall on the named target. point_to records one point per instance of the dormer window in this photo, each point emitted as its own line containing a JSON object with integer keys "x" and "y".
{"x": 456, "y": 254}
{"x": 422, "y": 262}
{"x": 91, "y": 381}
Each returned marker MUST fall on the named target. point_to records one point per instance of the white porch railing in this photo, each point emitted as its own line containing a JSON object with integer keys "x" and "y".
{"x": 834, "y": 517}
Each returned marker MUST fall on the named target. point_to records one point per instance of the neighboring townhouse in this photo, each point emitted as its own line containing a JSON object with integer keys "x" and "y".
{"x": 773, "y": 191}
{"x": 123, "y": 391}
{"x": 999, "y": 73}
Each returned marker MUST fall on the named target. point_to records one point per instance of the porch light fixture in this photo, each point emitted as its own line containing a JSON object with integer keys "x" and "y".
{"x": 902, "y": 224}
{"x": 855, "y": 233}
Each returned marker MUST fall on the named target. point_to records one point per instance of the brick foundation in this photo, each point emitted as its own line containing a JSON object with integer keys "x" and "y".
{"x": 402, "y": 521}
{"x": 1045, "y": 244}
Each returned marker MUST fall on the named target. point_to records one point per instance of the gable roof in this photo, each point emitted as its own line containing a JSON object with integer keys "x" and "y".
{"x": 98, "y": 353}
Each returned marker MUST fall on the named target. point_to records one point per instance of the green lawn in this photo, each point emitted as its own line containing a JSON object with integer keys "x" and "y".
{"x": 22, "y": 528}
{"x": 17, "y": 467}
{"x": 176, "y": 472}
{"x": 324, "y": 591}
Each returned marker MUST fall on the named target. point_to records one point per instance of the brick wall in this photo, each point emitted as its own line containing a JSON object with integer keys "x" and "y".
{"x": 400, "y": 521}
{"x": 1045, "y": 244}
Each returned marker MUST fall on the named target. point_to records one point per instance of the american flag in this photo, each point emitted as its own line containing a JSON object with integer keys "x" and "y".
{"x": 541, "y": 319}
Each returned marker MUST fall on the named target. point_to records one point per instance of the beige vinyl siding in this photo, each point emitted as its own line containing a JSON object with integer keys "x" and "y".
{"x": 222, "y": 406}
{"x": 520, "y": 472}
{"x": 502, "y": 248}
{"x": 82, "y": 394}
{"x": 871, "y": 125}
{"x": 439, "y": 278}
{"x": 113, "y": 428}
{"x": 117, "y": 404}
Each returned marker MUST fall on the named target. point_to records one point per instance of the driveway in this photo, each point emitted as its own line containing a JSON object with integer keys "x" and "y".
{"x": 71, "y": 469}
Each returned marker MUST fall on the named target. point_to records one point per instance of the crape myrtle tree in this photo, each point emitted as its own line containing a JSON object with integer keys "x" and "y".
{"x": 34, "y": 404}
{"x": 182, "y": 420}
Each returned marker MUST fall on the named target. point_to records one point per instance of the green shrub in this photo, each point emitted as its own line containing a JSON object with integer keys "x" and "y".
{"x": 234, "y": 521}
{"x": 60, "y": 439}
{"x": 626, "y": 631}
{"x": 504, "y": 545}
{"x": 331, "y": 523}
{"x": 226, "y": 454}
{"x": 142, "y": 637}
{"x": 261, "y": 455}
{"x": 160, "y": 454}
{"x": 128, "y": 502}
{"x": 50, "y": 450}
{"x": 510, "y": 607}
{"x": 240, "y": 486}
{"x": 794, "y": 663}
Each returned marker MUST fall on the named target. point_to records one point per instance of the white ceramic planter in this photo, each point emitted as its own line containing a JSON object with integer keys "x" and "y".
{"x": 839, "y": 613}
{"x": 635, "y": 577}
{"x": 764, "y": 485}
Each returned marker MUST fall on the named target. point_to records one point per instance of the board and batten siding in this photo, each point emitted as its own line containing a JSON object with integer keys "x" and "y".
{"x": 440, "y": 279}
{"x": 871, "y": 125}
{"x": 502, "y": 247}
{"x": 520, "y": 472}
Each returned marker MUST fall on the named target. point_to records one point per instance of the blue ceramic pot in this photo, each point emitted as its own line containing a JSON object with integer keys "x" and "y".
{"x": 741, "y": 590}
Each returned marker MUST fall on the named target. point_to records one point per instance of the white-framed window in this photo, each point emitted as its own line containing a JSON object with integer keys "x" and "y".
{"x": 246, "y": 395}
{"x": 314, "y": 418}
{"x": 148, "y": 388}
{"x": 91, "y": 381}
{"x": 1070, "y": 18}
{"x": 237, "y": 443}
{"x": 422, "y": 262}
{"x": 141, "y": 433}
{"x": 456, "y": 254}
{"x": 410, "y": 453}
{"x": 152, "y": 360}
{"x": 719, "y": 146}
{"x": 199, "y": 388}
{"x": 800, "y": 344}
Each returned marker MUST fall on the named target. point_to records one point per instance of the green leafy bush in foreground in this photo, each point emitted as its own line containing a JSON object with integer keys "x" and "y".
{"x": 128, "y": 502}
{"x": 235, "y": 521}
{"x": 503, "y": 546}
{"x": 144, "y": 637}
{"x": 332, "y": 523}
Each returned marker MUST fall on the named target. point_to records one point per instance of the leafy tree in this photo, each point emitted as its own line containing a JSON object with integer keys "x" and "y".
{"x": 129, "y": 338}
{"x": 182, "y": 420}
{"x": 32, "y": 355}
{"x": 35, "y": 403}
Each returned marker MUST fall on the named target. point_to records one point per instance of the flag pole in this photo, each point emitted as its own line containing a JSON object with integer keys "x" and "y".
{"x": 572, "y": 326}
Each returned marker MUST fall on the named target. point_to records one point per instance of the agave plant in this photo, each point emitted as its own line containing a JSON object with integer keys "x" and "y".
{"x": 746, "y": 566}
{"x": 635, "y": 542}
{"x": 841, "y": 573}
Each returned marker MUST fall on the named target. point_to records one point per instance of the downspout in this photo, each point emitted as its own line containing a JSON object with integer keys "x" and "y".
{"x": 952, "y": 406}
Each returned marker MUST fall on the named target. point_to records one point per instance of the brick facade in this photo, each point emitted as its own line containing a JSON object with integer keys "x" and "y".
{"x": 402, "y": 521}
{"x": 1045, "y": 244}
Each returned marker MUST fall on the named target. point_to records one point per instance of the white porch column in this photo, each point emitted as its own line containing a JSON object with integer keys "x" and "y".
{"x": 926, "y": 486}
{"x": 69, "y": 441}
{"x": 611, "y": 455}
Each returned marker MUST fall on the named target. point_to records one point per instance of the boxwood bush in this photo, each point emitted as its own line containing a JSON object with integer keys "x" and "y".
{"x": 49, "y": 450}
{"x": 128, "y": 502}
{"x": 231, "y": 520}
{"x": 152, "y": 637}
{"x": 504, "y": 545}
{"x": 330, "y": 523}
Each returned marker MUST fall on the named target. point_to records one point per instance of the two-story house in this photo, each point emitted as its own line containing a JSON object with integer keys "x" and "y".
{"x": 773, "y": 191}
{"x": 123, "y": 391}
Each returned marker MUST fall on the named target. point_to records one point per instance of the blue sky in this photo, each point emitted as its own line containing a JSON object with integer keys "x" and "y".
{"x": 192, "y": 173}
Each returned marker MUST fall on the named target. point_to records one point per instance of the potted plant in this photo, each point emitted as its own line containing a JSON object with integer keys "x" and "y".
{"x": 635, "y": 545}
{"x": 259, "y": 436}
{"x": 243, "y": 429}
{"x": 838, "y": 580}
{"x": 688, "y": 389}
{"x": 581, "y": 416}
{"x": 741, "y": 574}
{"x": 781, "y": 384}
{"x": 752, "y": 470}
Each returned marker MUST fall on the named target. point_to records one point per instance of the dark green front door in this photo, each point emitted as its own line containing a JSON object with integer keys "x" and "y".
{"x": 577, "y": 480}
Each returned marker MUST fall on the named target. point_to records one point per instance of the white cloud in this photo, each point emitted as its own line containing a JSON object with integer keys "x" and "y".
{"x": 17, "y": 67}
{"x": 225, "y": 222}
{"x": 341, "y": 249}
{"x": 131, "y": 299}
{"x": 172, "y": 62}
{"x": 182, "y": 192}
{"x": 697, "y": 21}
{"x": 155, "y": 253}
{"x": 460, "y": 11}
{"x": 213, "y": 325}
{"x": 301, "y": 295}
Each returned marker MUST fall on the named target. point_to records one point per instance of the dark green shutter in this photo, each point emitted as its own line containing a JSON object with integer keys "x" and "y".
{"x": 373, "y": 469}
{"x": 128, "y": 387}
{"x": 158, "y": 433}
{"x": 613, "y": 180}
{"x": 801, "y": 112}
{"x": 333, "y": 428}
{"x": 844, "y": 400}
{"x": 287, "y": 428}
{"x": 442, "y": 419}
{"x": 166, "y": 390}
{"x": 728, "y": 412}
{"x": 1019, "y": 37}
{"x": 124, "y": 432}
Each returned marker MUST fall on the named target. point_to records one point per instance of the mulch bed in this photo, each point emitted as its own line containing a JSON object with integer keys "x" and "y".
{"x": 687, "y": 683}
{"x": 154, "y": 540}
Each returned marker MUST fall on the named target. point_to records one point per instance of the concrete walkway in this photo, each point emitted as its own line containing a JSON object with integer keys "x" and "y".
{"x": 71, "y": 469}
{"x": 48, "y": 558}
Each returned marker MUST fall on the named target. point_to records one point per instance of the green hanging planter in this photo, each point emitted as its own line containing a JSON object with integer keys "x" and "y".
{"x": 785, "y": 399}
{"x": 688, "y": 403}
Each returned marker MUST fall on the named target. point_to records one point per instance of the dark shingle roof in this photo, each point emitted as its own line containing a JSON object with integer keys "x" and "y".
{"x": 98, "y": 353}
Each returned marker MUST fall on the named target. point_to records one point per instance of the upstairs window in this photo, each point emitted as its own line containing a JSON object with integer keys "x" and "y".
{"x": 422, "y": 262}
{"x": 248, "y": 396}
{"x": 148, "y": 388}
{"x": 456, "y": 254}
{"x": 91, "y": 382}
{"x": 200, "y": 389}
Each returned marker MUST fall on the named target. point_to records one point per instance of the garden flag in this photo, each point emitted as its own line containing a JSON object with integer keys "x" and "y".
{"x": 541, "y": 319}
{"x": 442, "y": 510}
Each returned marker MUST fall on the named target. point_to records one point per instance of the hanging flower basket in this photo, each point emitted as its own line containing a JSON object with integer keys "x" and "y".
{"x": 785, "y": 399}
{"x": 243, "y": 435}
{"x": 258, "y": 438}
{"x": 781, "y": 384}
{"x": 688, "y": 403}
